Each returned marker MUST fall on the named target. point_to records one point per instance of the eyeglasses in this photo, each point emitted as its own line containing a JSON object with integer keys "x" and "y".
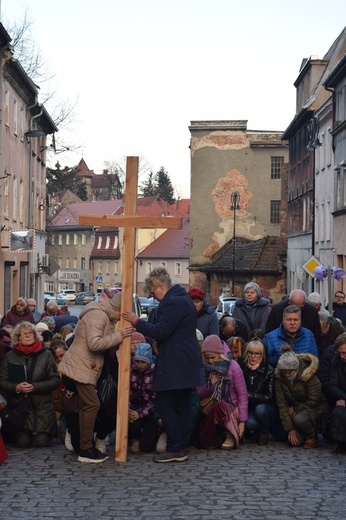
{"x": 27, "y": 333}
{"x": 153, "y": 291}
{"x": 254, "y": 353}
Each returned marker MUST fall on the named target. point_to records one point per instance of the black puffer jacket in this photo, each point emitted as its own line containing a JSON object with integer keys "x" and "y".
{"x": 45, "y": 379}
{"x": 338, "y": 379}
{"x": 259, "y": 383}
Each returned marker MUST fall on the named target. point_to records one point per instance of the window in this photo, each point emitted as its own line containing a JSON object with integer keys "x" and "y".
{"x": 60, "y": 240}
{"x": 75, "y": 263}
{"x": 15, "y": 117}
{"x": 67, "y": 263}
{"x": 100, "y": 267}
{"x": 82, "y": 263}
{"x": 116, "y": 267}
{"x": 163, "y": 264}
{"x": 108, "y": 267}
{"x": 67, "y": 239}
{"x": 275, "y": 211}
{"x": 75, "y": 239}
{"x": 276, "y": 165}
{"x": 83, "y": 239}
{"x": 108, "y": 240}
{"x": 148, "y": 267}
{"x": 99, "y": 243}
{"x": 177, "y": 269}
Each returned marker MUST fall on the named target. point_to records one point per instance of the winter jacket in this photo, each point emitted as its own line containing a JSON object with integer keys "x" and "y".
{"x": 323, "y": 373}
{"x": 303, "y": 342}
{"x": 141, "y": 393}
{"x": 254, "y": 316}
{"x": 304, "y": 394}
{"x": 12, "y": 317}
{"x": 93, "y": 335}
{"x": 207, "y": 321}
{"x": 335, "y": 328}
{"x": 179, "y": 361}
{"x": 45, "y": 379}
{"x": 259, "y": 383}
{"x": 309, "y": 318}
{"x": 339, "y": 311}
{"x": 338, "y": 378}
{"x": 238, "y": 391}
{"x": 240, "y": 329}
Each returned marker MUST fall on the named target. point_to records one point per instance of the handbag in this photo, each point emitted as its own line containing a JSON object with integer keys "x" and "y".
{"x": 13, "y": 417}
{"x": 206, "y": 404}
{"x": 107, "y": 391}
{"x": 68, "y": 402}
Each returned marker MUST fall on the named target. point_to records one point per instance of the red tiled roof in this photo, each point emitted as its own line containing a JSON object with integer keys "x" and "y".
{"x": 147, "y": 206}
{"x": 173, "y": 243}
{"x": 83, "y": 170}
{"x": 106, "y": 243}
{"x": 69, "y": 215}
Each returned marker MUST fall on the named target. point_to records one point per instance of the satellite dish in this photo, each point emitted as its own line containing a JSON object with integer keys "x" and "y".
{"x": 301, "y": 274}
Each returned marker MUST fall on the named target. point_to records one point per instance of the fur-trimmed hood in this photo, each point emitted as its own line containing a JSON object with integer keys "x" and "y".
{"x": 308, "y": 365}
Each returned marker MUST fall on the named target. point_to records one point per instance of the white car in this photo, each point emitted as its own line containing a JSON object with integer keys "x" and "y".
{"x": 67, "y": 294}
{"x": 225, "y": 306}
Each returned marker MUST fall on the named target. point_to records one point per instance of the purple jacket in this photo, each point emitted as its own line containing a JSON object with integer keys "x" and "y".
{"x": 238, "y": 390}
{"x": 141, "y": 393}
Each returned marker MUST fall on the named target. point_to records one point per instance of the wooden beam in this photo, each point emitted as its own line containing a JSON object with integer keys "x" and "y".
{"x": 131, "y": 221}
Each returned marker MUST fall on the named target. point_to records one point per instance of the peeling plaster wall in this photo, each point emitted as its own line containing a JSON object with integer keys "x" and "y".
{"x": 222, "y": 161}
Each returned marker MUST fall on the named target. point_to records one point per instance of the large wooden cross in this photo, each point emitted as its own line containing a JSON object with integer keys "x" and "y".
{"x": 129, "y": 221}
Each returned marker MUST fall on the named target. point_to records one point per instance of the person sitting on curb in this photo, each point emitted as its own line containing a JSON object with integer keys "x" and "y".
{"x": 299, "y": 397}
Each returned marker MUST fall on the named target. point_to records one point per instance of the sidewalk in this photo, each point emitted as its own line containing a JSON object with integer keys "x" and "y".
{"x": 251, "y": 483}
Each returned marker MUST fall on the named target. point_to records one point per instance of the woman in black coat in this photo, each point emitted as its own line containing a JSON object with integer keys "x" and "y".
{"x": 338, "y": 391}
{"x": 178, "y": 368}
{"x": 28, "y": 373}
{"x": 252, "y": 309}
{"x": 263, "y": 416}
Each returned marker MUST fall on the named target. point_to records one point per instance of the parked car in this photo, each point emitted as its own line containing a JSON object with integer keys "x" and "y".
{"x": 145, "y": 305}
{"x": 225, "y": 306}
{"x": 83, "y": 298}
{"x": 47, "y": 296}
{"x": 67, "y": 294}
{"x": 61, "y": 303}
{"x": 136, "y": 304}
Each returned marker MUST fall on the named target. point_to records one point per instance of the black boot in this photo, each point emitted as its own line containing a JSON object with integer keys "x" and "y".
{"x": 263, "y": 438}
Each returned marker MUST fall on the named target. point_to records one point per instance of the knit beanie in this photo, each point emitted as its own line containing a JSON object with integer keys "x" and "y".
{"x": 41, "y": 326}
{"x": 288, "y": 359}
{"x": 143, "y": 353}
{"x": 196, "y": 294}
{"x": 116, "y": 301}
{"x": 212, "y": 343}
{"x": 31, "y": 301}
{"x": 137, "y": 336}
{"x": 254, "y": 286}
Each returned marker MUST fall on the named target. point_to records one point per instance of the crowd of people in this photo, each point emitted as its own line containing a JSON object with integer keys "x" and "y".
{"x": 266, "y": 373}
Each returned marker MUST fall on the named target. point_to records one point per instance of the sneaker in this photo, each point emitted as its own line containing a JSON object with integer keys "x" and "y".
{"x": 93, "y": 456}
{"x": 100, "y": 444}
{"x": 135, "y": 446}
{"x": 161, "y": 443}
{"x": 228, "y": 443}
{"x": 68, "y": 442}
{"x": 263, "y": 438}
{"x": 178, "y": 456}
{"x": 310, "y": 442}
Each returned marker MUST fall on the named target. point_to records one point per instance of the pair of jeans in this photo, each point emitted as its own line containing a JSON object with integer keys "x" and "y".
{"x": 175, "y": 411}
{"x": 265, "y": 418}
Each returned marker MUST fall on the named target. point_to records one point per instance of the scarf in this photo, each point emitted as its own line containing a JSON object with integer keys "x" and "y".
{"x": 29, "y": 349}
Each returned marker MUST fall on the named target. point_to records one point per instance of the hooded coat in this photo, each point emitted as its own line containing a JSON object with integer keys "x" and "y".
{"x": 45, "y": 379}
{"x": 93, "y": 335}
{"x": 13, "y": 317}
{"x": 304, "y": 393}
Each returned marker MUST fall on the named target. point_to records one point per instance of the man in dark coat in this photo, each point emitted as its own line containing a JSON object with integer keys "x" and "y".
{"x": 231, "y": 327}
{"x": 309, "y": 314}
{"x": 339, "y": 307}
{"x": 178, "y": 368}
{"x": 331, "y": 328}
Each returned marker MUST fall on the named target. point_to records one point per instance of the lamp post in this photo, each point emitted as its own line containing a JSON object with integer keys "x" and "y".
{"x": 235, "y": 198}
{"x": 314, "y": 142}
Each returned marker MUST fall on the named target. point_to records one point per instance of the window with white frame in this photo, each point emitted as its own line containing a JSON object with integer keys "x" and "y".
{"x": 75, "y": 239}
{"x": 67, "y": 239}
{"x": 21, "y": 198}
{"x": 15, "y": 198}
{"x": 177, "y": 269}
{"x": 148, "y": 267}
{"x": 328, "y": 221}
{"x": 83, "y": 239}
{"x": 15, "y": 118}
{"x": 99, "y": 243}
{"x": 75, "y": 263}
{"x": 108, "y": 267}
{"x": 7, "y": 108}
{"x": 108, "y": 240}
{"x": 60, "y": 240}
{"x": 116, "y": 267}
{"x": 82, "y": 262}
{"x": 52, "y": 239}
{"x": 100, "y": 267}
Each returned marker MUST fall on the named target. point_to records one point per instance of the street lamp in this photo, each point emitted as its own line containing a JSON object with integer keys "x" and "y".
{"x": 235, "y": 198}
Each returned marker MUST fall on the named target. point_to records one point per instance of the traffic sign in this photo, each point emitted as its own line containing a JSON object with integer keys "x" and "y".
{"x": 310, "y": 265}
{"x": 98, "y": 279}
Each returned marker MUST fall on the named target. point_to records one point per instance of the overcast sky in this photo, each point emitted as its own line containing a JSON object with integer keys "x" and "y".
{"x": 141, "y": 70}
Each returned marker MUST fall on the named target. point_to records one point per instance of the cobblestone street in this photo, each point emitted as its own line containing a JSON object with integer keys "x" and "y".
{"x": 268, "y": 482}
